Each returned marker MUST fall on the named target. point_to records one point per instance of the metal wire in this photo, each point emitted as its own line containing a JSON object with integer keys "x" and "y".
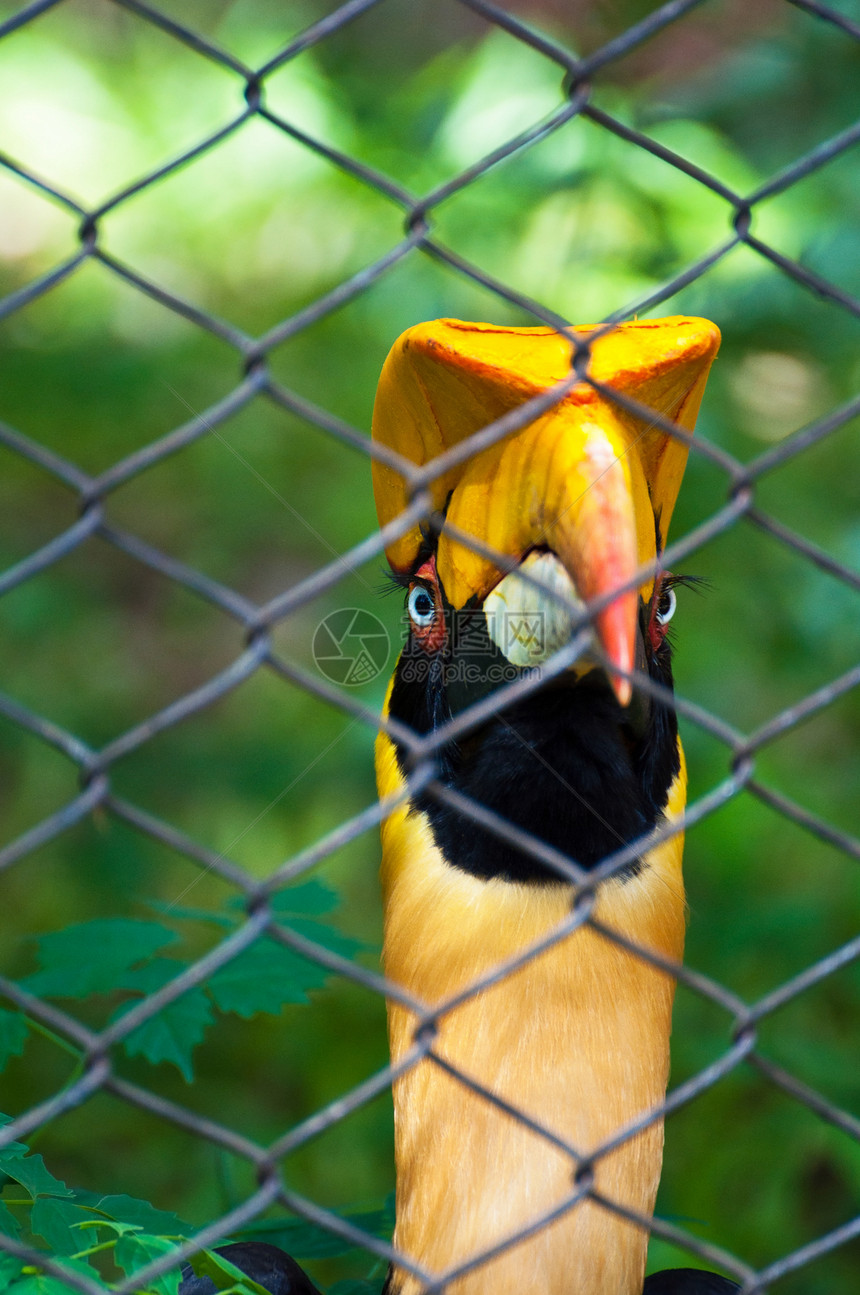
{"x": 93, "y": 768}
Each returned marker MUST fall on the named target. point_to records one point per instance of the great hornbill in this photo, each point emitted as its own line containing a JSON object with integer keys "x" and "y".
{"x": 578, "y": 1038}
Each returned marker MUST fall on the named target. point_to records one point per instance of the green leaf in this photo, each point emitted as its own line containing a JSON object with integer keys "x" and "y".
{"x": 58, "y": 1222}
{"x": 173, "y": 1034}
{"x": 93, "y": 957}
{"x": 127, "y": 1209}
{"x": 134, "y": 1249}
{"x": 224, "y": 1274}
{"x": 305, "y": 1240}
{"x": 267, "y": 975}
{"x": 45, "y": 1284}
{"x": 40, "y": 1284}
{"x": 309, "y": 899}
{"x": 31, "y": 1173}
{"x": 262, "y": 978}
{"x": 13, "y": 1035}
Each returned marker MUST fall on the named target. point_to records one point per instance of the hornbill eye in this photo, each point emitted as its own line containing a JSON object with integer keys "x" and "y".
{"x": 421, "y": 607}
{"x": 662, "y": 611}
{"x": 666, "y": 605}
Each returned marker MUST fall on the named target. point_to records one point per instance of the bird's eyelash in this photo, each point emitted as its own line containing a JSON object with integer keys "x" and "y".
{"x": 393, "y": 580}
{"x": 701, "y": 584}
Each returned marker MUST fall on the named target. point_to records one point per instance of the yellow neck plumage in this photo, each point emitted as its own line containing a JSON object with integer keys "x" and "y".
{"x": 577, "y": 1039}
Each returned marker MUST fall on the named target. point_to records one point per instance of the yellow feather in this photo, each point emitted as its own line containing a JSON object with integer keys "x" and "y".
{"x": 577, "y": 1039}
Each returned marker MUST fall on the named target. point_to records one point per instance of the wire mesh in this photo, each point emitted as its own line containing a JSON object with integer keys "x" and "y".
{"x": 92, "y": 782}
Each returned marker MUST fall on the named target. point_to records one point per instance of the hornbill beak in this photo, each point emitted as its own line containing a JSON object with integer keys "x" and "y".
{"x": 585, "y": 480}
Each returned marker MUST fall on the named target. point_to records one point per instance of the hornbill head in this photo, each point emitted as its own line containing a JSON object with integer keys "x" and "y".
{"x": 543, "y": 540}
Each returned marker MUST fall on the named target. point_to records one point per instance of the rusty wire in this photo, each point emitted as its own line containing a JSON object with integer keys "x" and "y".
{"x": 93, "y": 768}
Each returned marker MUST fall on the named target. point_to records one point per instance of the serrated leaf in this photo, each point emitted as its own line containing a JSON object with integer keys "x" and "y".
{"x": 58, "y": 1220}
{"x": 262, "y": 978}
{"x": 309, "y": 899}
{"x": 14, "y": 1029}
{"x": 31, "y": 1173}
{"x": 134, "y": 1249}
{"x": 267, "y": 975}
{"x": 173, "y": 1034}
{"x": 93, "y": 957}
{"x": 129, "y": 1210}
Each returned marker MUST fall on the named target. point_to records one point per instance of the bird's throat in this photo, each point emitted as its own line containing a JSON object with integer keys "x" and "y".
{"x": 576, "y": 1039}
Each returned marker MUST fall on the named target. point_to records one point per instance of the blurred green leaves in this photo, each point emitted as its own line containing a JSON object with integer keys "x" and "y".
{"x": 121, "y": 956}
{"x": 94, "y": 957}
{"x": 253, "y": 231}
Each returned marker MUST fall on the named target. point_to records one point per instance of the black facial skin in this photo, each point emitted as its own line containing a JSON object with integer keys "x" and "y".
{"x": 568, "y": 764}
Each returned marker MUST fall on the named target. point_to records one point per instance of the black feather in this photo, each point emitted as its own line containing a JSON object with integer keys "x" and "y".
{"x": 688, "y": 1281}
{"x": 265, "y": 1264}
{"x": 565, "y": 764}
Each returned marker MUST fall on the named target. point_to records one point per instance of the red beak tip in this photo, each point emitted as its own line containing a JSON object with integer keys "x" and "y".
{"x": 616, "y": 629}
{"x": 623, "y": 689}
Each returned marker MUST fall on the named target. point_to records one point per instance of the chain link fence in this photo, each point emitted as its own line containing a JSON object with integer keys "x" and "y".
{"x": 255, "y": 630}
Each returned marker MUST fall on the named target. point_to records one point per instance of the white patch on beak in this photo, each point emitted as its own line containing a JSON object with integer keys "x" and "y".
{"x": 528, "y": 623}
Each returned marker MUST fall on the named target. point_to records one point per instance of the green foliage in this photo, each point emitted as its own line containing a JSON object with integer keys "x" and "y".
{"x": 110, "y": 959}
{"x": 305, "y": 1240}
{"x": 83, "y": 1232}
{"x": 115, "y": 957}
{"x": 13, "y": 1035}
{"x": 124, "y": 957}
{"x": 224, "y": 1274}
{"x": 254, "y": 230}
{"x": 94, "y": 957}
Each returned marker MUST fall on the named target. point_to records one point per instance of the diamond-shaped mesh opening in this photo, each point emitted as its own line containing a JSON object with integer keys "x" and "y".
{"x": 216, "y": 219}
